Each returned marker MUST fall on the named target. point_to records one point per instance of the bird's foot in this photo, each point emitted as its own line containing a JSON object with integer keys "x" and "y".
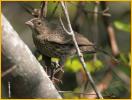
{"x": 60, "y": 69}
{"x": 55, "y": 80}
{"x": 57, "y": 72}
{"x": 55, "y": 65}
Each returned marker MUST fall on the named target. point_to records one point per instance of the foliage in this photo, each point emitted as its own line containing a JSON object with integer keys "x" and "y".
{"x": 74, "y": 65}
{"x": 122, "y": 26}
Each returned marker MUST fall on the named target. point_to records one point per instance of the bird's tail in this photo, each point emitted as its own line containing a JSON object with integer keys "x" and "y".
{"x": 106, "y": 53}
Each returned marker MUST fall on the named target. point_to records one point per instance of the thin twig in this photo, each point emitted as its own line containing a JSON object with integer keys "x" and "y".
{"x": 9, "y": 89}
{"x": 76, "y": 92}
{"x": 103, "y": 13}
{"x": 71, "y": 32}
{"x": 110, "y": 30}
{"x": 55, "y": 8}
{"x": 8, "y": 71}
{"x": 95, "y": 26}
{"x": 103, "y": 85}
{"x": 43, "y": 9}
{"x": 63, "y": 26}
{"x": 26, "y": 7}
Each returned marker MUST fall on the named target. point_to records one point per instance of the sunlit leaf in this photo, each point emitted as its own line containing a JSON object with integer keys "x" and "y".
{"x": 55, "y": 59}
{"x": 123, "y": 58}
{"x": 94, "y": 65}
{"x": 98, "y": 64}
{"x": 73, "y": 65}
{"x": 122, "y": 26}
{"x": 39, "y": 58}
{"x": 90, "y": 67}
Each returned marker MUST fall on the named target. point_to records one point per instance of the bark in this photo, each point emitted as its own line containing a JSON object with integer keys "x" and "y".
{"x": 28, "y": 79}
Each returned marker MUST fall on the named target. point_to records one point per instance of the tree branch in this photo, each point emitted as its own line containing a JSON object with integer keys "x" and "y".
{"x": 43, "y": 9}
{"x": 71, "y": 32}
{"x": 110, "y": 30}
{"x": 28, "y": 79}
{"x": 95, "y": 26}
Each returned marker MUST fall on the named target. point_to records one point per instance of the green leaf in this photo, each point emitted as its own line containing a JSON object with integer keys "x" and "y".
{"x": 55, "y": 59}
{"x": 123, "y": 58}
{"x": 122, "y": 26}
{"x": 98, "y": 64}
{"x": 39, "y": 58}
{"x": 93, "y": 66}
{"x": 73, "y": 65}
{"x": 90, "y": 67}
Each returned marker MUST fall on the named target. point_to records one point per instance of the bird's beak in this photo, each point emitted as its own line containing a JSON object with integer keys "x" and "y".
{"x": 29, "y": 23}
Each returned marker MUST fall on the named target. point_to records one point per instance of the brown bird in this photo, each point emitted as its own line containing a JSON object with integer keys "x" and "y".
{"x": 51, "y": 40}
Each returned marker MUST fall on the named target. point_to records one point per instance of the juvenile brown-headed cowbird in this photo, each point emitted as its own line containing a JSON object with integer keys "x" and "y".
{"x": 51, "y": 40}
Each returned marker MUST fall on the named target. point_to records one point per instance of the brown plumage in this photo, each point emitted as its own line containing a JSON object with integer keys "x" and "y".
{"x": 51, "y": 40}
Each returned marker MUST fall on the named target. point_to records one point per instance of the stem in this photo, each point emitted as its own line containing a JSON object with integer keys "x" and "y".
{"x": 110, "y": 30}
{"x": 80, "y": 56}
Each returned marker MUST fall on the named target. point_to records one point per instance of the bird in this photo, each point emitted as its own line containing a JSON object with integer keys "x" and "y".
{"x": 51, "y": 40}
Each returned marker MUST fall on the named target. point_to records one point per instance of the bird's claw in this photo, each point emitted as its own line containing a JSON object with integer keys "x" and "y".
{"x": 55, "y": 65}
{"x": 55, "y": 80}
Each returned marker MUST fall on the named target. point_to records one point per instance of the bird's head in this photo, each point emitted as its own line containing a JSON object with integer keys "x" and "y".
{"x": 34, "y": 23}
{"x": 37, "y": 24}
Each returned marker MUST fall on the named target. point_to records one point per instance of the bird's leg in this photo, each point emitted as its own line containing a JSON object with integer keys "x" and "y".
{"x": 61, "y": 65}
{"x": 49, "y": 67}
{"x": 59, "y": 70}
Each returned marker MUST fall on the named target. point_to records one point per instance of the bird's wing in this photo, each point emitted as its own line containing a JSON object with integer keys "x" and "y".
{"x": 55, "y": 38}
{"x": 82, "y": 41}
{"x": 56, "y": 34}
{"x": 64, "y": 38}
{"x": 60, "y": 38}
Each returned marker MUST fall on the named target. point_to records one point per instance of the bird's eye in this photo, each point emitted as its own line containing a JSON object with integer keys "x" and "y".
{"x": 39, "y": 23}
